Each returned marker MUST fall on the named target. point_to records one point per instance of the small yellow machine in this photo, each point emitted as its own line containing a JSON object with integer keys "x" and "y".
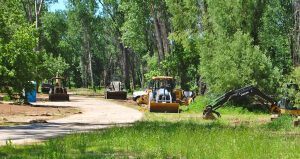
{"x": 58, "y": 92}
{"x": 162, "y": 96}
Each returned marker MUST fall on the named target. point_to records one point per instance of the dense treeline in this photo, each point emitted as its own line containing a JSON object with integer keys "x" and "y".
{"x": 226, "y": 43}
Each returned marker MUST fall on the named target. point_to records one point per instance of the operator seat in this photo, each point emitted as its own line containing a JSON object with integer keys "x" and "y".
{"x": 163, "y": 95}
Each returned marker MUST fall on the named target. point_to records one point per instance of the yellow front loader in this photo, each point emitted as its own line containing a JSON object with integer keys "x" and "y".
{"x": 161, "y": 95}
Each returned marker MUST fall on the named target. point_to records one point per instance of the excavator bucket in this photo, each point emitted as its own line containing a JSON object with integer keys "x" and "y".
{"x": 209, "y": 116}
{"x": 116, "y": 95}
{"x": 164, "y": 107}
{"x": 208, "y": 113}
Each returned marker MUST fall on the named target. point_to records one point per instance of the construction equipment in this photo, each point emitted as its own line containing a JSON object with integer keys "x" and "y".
{"x": 162, "y": 96}
{"x": 276, "y": 108}
{"x": 115, "y": 91}
{"x": 58, "y": 92}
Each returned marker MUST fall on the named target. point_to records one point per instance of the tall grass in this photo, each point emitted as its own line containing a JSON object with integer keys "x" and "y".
{"x": 183, "y": 139}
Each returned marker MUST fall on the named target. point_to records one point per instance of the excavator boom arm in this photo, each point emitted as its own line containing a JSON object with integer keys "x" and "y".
{"x": 249, "y": 90}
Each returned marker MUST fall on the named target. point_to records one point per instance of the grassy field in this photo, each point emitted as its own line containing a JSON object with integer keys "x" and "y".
{"x": 184, "y": 139}
{"x": 240, "y": 134}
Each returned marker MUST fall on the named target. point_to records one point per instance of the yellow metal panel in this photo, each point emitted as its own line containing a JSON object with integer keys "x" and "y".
{"x": 164, "y": 107}
{"x": 291, "y": 112}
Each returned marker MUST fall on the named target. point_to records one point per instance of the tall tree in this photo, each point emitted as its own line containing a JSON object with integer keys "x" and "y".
{"x": 17, "y": 43}
{"x": 84, "y": 18}
{"x": 296, "y": 33}
{"x": 276, "y": 33}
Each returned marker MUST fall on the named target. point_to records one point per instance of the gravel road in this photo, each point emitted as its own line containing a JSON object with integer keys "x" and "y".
{"x": 97, "y": 113}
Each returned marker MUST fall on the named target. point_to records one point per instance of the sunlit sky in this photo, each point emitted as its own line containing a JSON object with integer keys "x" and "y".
{"x": 60, "y": 5}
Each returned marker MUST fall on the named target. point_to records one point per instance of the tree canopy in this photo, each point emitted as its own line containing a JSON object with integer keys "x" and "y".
{"x": 226, "y": 44}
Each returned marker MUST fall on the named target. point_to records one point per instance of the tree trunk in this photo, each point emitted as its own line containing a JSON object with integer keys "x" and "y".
{"x": 164, "y": 27}
{"x": 258, "y": 13}
{"x": 87, "y": 53}
{"x": 159, "y": 41}
{"x": 28, "y": 10}
{"x": 142, "y": 79}
{"x": 296, "y": 38}
{"x": 38, "y": 8}
{"x": 132, "y": 66}
{"x": 90, "y": 68}
{"x": 124, "y": 51}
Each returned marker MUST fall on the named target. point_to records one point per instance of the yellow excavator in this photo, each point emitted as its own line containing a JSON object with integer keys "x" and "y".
{"x": 276, "y": 108}
{"x": 162, "y": 96}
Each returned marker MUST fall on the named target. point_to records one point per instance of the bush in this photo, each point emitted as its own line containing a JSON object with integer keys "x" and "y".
{"x": 230, "y": 63}
{"x": 6, "y": 98}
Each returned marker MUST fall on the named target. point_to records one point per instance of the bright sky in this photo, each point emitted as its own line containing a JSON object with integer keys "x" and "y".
{"x": 60, "y": 5}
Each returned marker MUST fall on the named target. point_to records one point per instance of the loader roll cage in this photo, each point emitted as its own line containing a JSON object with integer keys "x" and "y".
{"x": 249, "y": 90}
{"x": 167, "y": 83}
{"x": 164, "y": 84}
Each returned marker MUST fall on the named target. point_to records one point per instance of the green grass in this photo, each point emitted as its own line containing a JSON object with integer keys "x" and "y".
{"x": 184, "y": 139}
{"x": 238, "y": 134}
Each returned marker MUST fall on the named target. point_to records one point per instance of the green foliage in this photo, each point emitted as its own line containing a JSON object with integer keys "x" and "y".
{"x": 19, "y": 60}
{"x": 288, "y": 86}
{"x": 51, "y": 65}
{"x": 230, "y": 16}
{"x": 184, "y": 58}
{"x": 136, "y": 23}
{"x": 6, "y": 98}
{"x": 198, "y": 105}
{"x": 274, "y": 34}
{"x": 227, "y": 43}
{"x": 231, "y": 63}
{"x": 153, "y": 67}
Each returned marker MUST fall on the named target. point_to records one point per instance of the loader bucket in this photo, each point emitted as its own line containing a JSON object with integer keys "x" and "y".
{"x": 116, "y": 95}
{"x": 164, "y": 107}
{"x": 58, "y": 97}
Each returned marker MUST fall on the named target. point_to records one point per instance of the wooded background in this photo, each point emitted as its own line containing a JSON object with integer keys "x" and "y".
{"x": 224, "y": 43}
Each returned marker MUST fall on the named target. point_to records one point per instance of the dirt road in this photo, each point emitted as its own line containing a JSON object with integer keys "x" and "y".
{"x": 96, "y": 114}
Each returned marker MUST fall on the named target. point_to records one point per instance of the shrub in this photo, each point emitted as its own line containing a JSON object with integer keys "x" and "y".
{"x": 231, "y": 63}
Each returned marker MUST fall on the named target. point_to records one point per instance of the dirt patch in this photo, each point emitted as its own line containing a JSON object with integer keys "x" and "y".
{"x": 21, "y": 114}
{"x": 130, "y": 103}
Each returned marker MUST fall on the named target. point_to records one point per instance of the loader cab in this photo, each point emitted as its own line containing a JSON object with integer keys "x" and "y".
{"x": 162, "y": 82}
{"x": 162, "y": 88}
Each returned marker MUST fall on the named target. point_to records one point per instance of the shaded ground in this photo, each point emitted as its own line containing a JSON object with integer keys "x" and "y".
{"x": 20, "y": 114}
{"x": 96, "y": 113}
